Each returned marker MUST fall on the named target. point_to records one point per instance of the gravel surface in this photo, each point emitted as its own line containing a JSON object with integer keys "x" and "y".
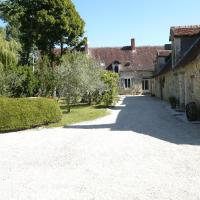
{"x": 139, "y": 152}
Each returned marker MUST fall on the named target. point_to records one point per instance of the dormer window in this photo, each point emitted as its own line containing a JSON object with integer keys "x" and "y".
{"x": 116, "y": 69}
{"x": 116, "y": 66}
{"x": 127, "y": 64}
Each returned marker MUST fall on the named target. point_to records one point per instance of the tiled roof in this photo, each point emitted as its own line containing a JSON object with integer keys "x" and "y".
{"x": 163, "y": 53}
{"x": 190, "y": 55}
{"x": 142, "y": 58}
{"x": 166, "y": 68}
{"x": 177, "y": 31}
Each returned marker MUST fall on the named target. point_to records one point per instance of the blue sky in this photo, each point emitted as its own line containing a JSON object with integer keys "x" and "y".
{"x": 115, "y": 22}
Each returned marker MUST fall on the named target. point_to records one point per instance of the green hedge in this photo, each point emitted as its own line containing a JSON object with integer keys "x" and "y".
{"x": 24, "y": 113}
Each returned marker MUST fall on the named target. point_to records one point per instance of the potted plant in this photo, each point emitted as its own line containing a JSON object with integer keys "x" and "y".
{"x": 192, "y": 111}
{"x": 173, "y": 102}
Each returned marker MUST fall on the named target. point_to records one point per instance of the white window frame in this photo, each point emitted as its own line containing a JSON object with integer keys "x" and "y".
{"x": 128, "y": 83}
{"x": 144, "y": 89}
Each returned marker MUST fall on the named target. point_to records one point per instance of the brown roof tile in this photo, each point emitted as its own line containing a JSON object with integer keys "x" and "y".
{"x": 166, "y": 68}
{"x": 190, "y": 55}
{"x": 178, "y": 31}
{"x": 163, "y": 53}
{"x": 140, "y": 59}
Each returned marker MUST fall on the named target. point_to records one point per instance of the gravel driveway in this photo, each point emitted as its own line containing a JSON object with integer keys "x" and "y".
{"x": 139, "y": 152}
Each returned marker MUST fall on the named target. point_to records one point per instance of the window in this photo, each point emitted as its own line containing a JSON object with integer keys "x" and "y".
{"x": 116, "y": 68}
{"x": 127, "y": 82}
{"x": 127, "y": 64}
{"x": 145, "y": 85}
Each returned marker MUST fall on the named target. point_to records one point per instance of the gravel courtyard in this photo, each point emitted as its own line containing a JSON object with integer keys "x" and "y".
{"x": 138, "y": 152}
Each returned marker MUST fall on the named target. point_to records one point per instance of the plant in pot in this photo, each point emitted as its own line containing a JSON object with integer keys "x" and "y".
{"x": 192, "y": 111}
{"x": 173, "y": 102}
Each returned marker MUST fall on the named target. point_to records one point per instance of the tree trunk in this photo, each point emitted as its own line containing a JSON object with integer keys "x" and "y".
{"x": 61, "y": 47}
{"x": 89, "y": 99}
{"x": 68, "y": 104}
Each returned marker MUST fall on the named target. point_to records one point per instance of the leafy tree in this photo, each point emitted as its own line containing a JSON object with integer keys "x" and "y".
{"x": 8, "y": 51}
{"x": 78, "y": 75}
{"x": 22, "y": 82}
{"x": 11, "y": 13}
{"x": 8, "y": 60}
{"x": 46, "y": 77}
{"x": 4, "y": 89}
{"x": 111, "y": 81}
{"x": 44, "y": 24}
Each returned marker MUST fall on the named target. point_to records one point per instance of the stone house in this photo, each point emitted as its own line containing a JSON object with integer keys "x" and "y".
{"x": 135, "y": 65}
{"x": 180, "y": 75}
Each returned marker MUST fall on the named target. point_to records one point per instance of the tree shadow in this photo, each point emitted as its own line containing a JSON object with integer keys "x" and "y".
{"x": 147, "y": 115}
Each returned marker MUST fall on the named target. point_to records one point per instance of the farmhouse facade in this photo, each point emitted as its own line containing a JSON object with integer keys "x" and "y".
{"x": 135, "y": 65}
{"x": 179, "y": 74}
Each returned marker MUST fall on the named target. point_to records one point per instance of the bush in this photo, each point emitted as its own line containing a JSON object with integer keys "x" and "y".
{"x": 18, "y": 81}
{"x": 173, "y": 102}
{"x": 192, "y": 111}
{"x": 24, "y": 113}
{"x": 111, "y": 81}
{"x": 23, "y": 81}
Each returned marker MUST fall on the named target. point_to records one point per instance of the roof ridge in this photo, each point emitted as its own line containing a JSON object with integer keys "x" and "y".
{"x": 186, "y": 26}
{"x": 103, "y": 47}
{"x": 142, "y": 46}
{"x": 164, "y": 50}
{"x": 150, "y": 46}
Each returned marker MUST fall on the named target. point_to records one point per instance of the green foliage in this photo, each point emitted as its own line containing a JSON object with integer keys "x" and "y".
{"x": 79, "y": 113}
{"x": 173, "y": 102}
{"x": 18, "y": 114}
{"x": 11, "y": 13}
{"x": 8, "y": 51}
{"x": 4, "y": 86}
{"x": 78, "y": 76}
{"x": 18, "y": 81}
{"x": 192, "y": 111}
{"x": 44, "y": 24}
{"x": 111, "y": 81}
{"x": 23, "y": 82}
{"x": 46, "y": 77}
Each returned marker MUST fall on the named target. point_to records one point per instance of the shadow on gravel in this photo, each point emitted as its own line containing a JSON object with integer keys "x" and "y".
{"x": 147, "y": 115}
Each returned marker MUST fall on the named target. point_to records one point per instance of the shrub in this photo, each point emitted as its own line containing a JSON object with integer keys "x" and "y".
{"x": 24, "y": 113}
{"x": 173, "y": 102}
{"x": 192, "y": 111}
{"x": 111, "y": 81}
{"x": 23, "y": 82}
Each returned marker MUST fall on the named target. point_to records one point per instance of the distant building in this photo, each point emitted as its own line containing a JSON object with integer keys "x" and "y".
{"x": 180, "y": 75}
{"x": 135, "y": 65}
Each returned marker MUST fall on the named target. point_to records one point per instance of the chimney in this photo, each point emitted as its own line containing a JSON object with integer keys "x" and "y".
{"x": 86, "y": 48}
{"x": 86, "y": 45}
{"x": 133, "y": 44}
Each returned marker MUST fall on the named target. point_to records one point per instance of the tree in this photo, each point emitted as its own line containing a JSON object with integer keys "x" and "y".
{"x": 46, "y": 77}
{"x": 8, "y": 51}
{"x": 44, "y": 24}
{"x": 23, "y": 82}
{"x": 78, "y": 75}
{"x": 10, "y": 13}
{"x": 111, "y": 81}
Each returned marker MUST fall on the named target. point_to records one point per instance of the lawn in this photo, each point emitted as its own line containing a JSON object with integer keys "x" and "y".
{"x": 79, "y": 113}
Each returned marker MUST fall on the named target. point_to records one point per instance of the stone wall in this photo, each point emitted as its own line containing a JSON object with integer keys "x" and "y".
{"x": 136, "y": 81}
{"x": 189, "y": 82}
{"x": 164, "y": 85}
{"x": 182, "y": 83}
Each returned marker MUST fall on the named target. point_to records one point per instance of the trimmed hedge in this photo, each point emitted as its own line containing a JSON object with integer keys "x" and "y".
{"x": 24, "y": 113}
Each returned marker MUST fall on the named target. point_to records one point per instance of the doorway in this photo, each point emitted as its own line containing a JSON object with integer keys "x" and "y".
{"x": 146, "y": 85}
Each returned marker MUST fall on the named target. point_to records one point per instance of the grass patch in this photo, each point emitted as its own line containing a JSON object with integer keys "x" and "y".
{"x": 79, "y": 113}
